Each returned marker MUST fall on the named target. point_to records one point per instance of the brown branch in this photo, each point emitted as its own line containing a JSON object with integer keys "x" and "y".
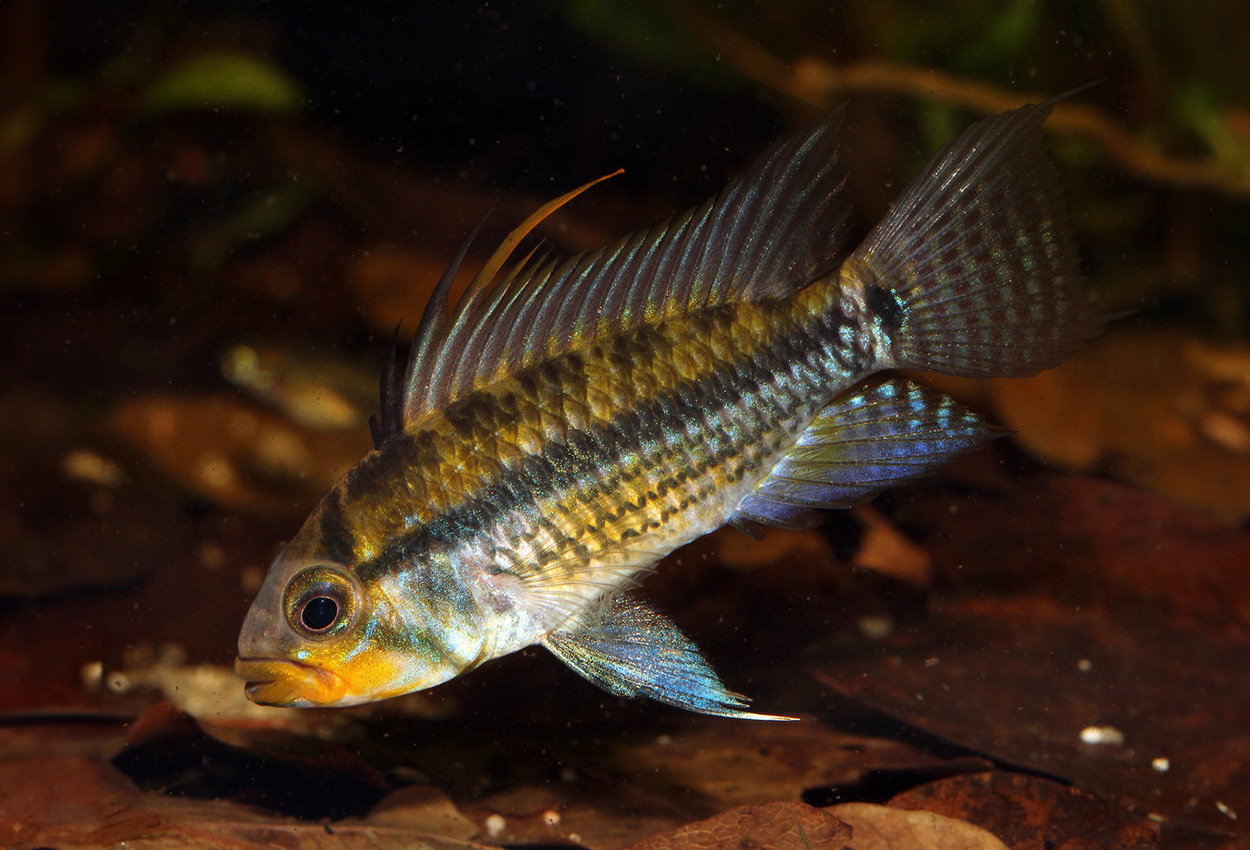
{"x": 819, "y": 84}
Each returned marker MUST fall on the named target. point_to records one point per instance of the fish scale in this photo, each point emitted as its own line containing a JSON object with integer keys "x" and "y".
{"x": 570, "y": 422}
{"x": 593, "y": 520}
{"x": 612, "y": 489}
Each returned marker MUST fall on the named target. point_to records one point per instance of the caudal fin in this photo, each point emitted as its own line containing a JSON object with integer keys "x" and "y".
{"x": 976, "y": 266}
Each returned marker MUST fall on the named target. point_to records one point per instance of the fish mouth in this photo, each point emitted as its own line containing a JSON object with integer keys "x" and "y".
{"x": 281, "y": 681}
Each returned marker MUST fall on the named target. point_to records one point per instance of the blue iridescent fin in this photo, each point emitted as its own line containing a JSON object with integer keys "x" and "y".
{"x": 770, "y": 232}
{"x": 879, "y": 436}
{"x": 631, "y": 650}
{"x": 976, "y": 263}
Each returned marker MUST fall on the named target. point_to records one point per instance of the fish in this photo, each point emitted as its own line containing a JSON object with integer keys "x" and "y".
{"x": 571, "y": 421}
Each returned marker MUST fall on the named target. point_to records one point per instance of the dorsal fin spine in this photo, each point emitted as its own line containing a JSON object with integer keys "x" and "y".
{"x": 432, "y": 327}
{"x": 487, "y": 330}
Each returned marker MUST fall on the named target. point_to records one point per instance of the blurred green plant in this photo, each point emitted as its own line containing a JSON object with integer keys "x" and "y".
{"x": 225, "y": 80}
{"x": 907, "y": 29}
{"x": 1200, "y": 108}
{"x": 649, "y": 34}
{"x": 262, "y": 214}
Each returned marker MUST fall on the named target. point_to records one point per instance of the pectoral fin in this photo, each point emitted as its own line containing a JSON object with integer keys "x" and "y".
{"x": 632, "y": 650}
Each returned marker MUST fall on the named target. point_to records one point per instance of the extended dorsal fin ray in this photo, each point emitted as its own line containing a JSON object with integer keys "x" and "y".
{"x": 483, "y": 279}
{"x": 771, "y": 231}
{"x": 431, "y": 331}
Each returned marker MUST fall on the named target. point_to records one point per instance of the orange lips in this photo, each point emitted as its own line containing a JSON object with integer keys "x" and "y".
{"x": 273, "y": 681}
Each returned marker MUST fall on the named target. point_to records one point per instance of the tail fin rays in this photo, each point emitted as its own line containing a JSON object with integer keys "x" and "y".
{"x": 980, "y": 259}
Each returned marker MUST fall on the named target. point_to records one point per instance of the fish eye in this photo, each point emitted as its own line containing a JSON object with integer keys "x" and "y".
{"x": 320, "y": 602}
{"x": 319, "y": 613}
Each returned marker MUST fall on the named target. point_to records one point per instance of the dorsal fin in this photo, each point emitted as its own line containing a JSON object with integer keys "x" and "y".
{"x": 466, "y": 318}
{"x": 431, "y": 332}
{"x": 390, "y": 418}
{"x": 770, "y": 232}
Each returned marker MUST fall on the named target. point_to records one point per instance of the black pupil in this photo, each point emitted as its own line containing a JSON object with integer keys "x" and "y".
{"x": 319, "y": 613}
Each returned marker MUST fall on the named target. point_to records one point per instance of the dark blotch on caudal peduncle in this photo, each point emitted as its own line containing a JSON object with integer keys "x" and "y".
{"x": 883, "y": 303}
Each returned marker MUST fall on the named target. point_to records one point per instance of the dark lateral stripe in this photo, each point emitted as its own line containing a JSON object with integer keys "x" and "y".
{"x": 598, "y": 453}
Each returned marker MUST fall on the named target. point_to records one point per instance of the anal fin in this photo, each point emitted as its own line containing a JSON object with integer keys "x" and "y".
{"x": 631, "y": 650}
{"x": 876, "y": 437}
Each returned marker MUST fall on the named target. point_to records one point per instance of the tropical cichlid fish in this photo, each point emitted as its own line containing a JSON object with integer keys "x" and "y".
{"x": 570, "y": 422}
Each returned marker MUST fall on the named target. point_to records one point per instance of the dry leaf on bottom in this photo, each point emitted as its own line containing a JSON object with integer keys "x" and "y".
{"x": 422, "y": 808}
{"x": 80, "y": 803}
{"x": 884, "y": 828}
{"x": 777, "y": 826}
{"x": 1036, "y": 814}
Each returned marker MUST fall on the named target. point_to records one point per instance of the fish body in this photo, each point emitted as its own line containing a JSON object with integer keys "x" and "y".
{"x": 567, "y": 426}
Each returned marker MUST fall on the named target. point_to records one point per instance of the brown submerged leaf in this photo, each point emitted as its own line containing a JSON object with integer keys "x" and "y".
{"x": 729, "y": 765}
{"x": 1083, "y": 629}
{"x": 1030, "y": 813}
{"x": 1163, "y": 410}
{"x": 80, "y": 803}
{"x": 422, "y": 808}
{"x": 886, "y": 828}
{"x": 778, "y": 826}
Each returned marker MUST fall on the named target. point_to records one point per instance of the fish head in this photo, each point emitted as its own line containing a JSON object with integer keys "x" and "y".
{"x": 319, "y": 634}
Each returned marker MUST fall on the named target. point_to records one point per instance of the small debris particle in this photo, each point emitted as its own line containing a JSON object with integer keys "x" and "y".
{"x": 1161, "y": 765}
{"x": 216, "y": 472}
{"x": 92, "y": 674}
{"x": 93, "y": 467}
{"x": 243, "y": 425}
{"x": 251, "y": 578}
{"x": 1102, "y": 735}
{"x": 1226, "y": 431}
{"x": 876, "y": 626}
{"x": 1085, "y": 665}
{"x": 212, "y": 556}
{"x": 1226, "y": 810}
{"x": 552, "y": 818}
{"x": 495, "y": 825}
